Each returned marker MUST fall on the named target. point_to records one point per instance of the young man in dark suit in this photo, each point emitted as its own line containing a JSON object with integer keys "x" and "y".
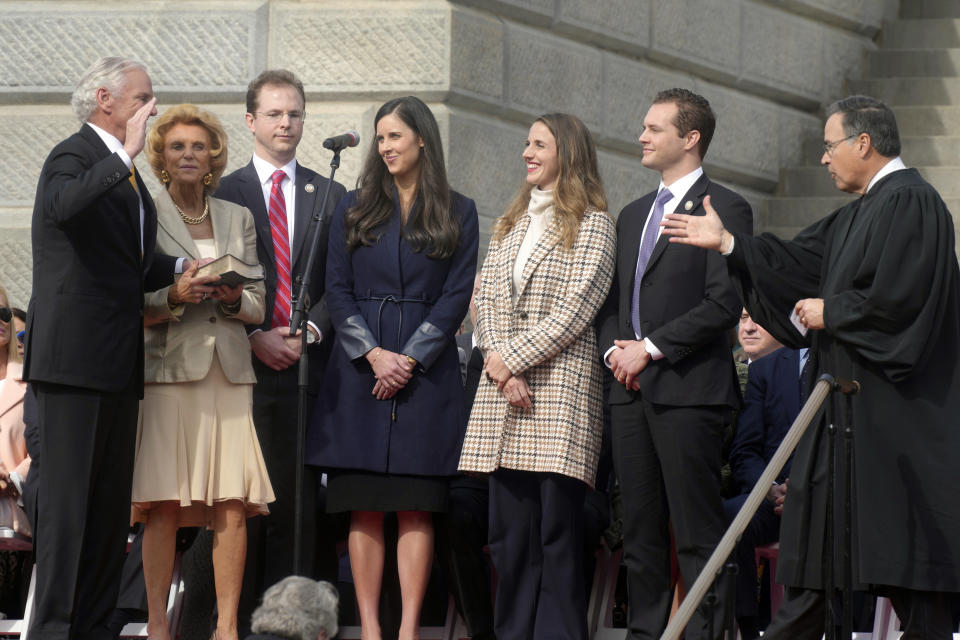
{"x": 663, "y": 333}
{"x": 284, "y": 198}
{"x": 94, "y": 233}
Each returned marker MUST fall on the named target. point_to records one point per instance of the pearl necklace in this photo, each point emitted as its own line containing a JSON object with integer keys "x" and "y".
{"x": 197, "y": 220}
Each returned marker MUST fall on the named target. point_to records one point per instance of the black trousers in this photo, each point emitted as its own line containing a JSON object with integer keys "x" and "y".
{"x": 762, "y": 529}
{"x": 925, "y": 615}
{"x": 536, "y": 540}
{"x": 87, "y": 441}
{"x": 461, "y": 534}
{"x": 275, "y": 418}
{"x": 667, "y": 460}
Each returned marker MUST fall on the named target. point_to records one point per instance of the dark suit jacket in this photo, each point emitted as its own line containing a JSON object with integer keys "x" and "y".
{"x": 687, "y": 303}
{"x": 243, "y": 187}
{"x": 85, "y": 319}
{"x": 770, "y": 405}
{"x": 471, "y": 367}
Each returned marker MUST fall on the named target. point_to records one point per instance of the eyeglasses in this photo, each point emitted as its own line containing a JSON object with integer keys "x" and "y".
{"x": 274, "y": 117}
{"x": 5, "y": 314}
{"x": 830, "y": 147}
{"x": 20, "y": 335}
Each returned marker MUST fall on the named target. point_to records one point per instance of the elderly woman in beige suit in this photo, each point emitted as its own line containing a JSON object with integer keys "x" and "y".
{"x": 198, "y": 461}
{"x": 536, "y": 423}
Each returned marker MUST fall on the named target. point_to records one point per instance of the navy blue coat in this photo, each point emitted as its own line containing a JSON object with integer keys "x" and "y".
{"x": 392, "y": 296}
{"x": 770, "y": 405}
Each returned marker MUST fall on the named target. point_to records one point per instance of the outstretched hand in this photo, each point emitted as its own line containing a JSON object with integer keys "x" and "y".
{"x": 706, "y": 231}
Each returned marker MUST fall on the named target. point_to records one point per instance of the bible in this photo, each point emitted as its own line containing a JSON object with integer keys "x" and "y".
{"x": 232, "y": 271}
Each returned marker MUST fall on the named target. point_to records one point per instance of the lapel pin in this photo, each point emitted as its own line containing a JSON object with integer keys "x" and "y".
{"x": 688, "y": 205}
{"x": 308, "y": 188}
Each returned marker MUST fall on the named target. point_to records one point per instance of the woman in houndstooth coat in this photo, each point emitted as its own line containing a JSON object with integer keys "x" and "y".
{"x": 536, "y": 423}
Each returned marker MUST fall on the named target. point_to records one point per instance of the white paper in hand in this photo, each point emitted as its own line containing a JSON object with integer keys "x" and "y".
{"x": 795, "y": 320}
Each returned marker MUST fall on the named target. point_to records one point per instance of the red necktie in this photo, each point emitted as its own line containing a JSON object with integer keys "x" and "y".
{"x": 281, "y": 250}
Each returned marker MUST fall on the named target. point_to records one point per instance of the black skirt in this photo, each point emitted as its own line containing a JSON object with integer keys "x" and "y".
{"x": 369, "y": 491}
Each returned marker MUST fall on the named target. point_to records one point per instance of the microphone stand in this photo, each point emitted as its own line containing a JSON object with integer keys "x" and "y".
{"x": 298, "y": 320}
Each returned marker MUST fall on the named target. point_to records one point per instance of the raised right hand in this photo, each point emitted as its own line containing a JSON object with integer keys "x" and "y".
{"x": 136, "y": 135}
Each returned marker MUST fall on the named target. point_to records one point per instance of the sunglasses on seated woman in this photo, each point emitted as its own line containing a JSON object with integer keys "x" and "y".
{"x": 5, "y": 314}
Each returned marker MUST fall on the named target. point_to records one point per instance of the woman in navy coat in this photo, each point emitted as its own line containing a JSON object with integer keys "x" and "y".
{"x": 389, "y": 421}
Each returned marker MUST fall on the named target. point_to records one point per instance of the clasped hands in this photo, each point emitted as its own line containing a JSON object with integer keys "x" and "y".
{"x": 392, "y": 371}
{"x": 514, "y": 388}
{"x": 193, "y": 289}
{"x": 627, "y": 361}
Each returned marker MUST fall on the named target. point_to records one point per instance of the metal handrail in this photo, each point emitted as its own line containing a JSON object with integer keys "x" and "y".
{"x": 729, "y": 540}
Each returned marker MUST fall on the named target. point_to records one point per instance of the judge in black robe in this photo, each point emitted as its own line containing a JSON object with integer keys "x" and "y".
{"x": 885, "y": 269}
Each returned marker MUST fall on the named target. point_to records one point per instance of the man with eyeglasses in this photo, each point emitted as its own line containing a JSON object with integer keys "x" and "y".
{"x": 284, "y": 198}
{"x": 874, "y": 290}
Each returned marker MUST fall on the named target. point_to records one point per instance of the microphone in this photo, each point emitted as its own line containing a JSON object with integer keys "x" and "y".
{"x": 342, "y": 141}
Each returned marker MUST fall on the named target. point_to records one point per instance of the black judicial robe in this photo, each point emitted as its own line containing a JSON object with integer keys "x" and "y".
{"x": 886, "y": 269}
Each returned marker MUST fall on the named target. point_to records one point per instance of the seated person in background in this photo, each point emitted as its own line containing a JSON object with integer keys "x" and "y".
{"x": 297, "y": 608}
{"x": 772, "y": 401}
{"x": 19, "y": 326}
{"x": 14, "y": 461}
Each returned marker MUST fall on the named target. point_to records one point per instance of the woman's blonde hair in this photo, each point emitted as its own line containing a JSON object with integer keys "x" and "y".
{"x": 579, "y": 187}
{"x": 189, "y": 114}
{"x": 12, "y": 354}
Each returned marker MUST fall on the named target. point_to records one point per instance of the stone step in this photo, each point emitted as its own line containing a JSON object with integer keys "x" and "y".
{"x": 816, "y": 181}
{"x": 921, "y": 34}
{"x": 930, "y": 9}
{"x": 798, "y": 213}
{"x": 928, "y": 121}
{"x": 917, "y": 151}
{"x": 910, "y": 91}
{"x": 913, "y": 63}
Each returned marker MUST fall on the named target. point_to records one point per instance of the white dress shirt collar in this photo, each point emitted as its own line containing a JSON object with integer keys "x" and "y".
{"x": 265, "y": 170}
{"x": 679, "y": 188}
{"x": 894, "y": 165}
{"x": 113, "y": 143}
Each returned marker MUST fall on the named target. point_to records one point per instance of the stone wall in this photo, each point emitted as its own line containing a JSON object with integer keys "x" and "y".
{"x": 487, "y": 67}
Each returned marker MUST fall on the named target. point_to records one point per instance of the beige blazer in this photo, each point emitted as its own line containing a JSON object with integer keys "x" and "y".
{"x": 548, "y": 336}
{"x": 180, "y": 348}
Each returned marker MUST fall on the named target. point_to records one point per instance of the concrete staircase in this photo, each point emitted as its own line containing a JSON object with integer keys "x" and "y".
{"x": 916, "y": 70}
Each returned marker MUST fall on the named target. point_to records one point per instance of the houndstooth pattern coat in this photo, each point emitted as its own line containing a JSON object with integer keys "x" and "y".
{"x": 548, "y": 336}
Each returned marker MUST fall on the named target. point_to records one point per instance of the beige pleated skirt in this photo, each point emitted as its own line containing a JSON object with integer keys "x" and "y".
{"x": 196, "y": 445}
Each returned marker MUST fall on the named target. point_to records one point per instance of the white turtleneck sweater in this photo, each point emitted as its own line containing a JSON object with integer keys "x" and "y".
{"x": 540, "y": 211}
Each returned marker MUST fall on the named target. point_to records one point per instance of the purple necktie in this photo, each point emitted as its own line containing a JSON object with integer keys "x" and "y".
{"x": 646, "y": 250}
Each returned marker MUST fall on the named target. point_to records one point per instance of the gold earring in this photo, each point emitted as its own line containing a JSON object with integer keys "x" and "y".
{"x": 164, "y": 176}
{"x": 207, "y": 179}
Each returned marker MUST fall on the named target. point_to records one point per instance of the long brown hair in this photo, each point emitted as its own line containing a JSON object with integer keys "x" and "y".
{"x": 579, "y": 186}
{"x": 431, "y": 226}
